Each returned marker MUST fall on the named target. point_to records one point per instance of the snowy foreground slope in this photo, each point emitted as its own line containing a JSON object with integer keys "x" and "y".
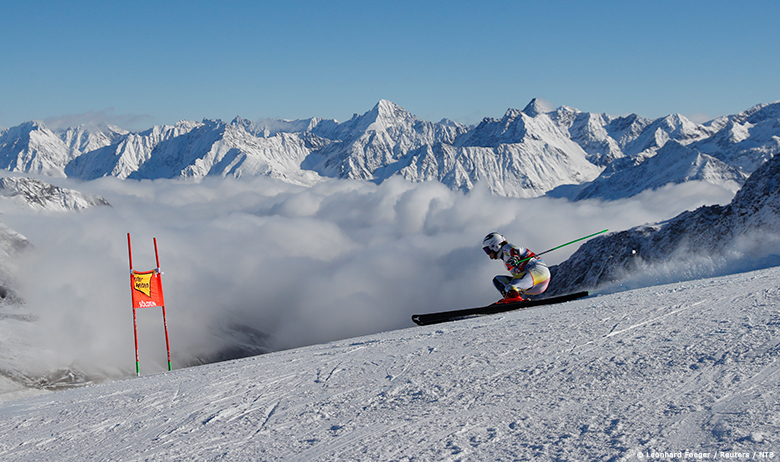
{"x": 676, "y": 370}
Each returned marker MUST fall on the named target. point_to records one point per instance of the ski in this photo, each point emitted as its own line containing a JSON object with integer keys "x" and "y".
{"x": 445, "y": 316}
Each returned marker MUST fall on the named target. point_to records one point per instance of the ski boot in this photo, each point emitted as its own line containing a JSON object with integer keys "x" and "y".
{"x": 511, "y": 296}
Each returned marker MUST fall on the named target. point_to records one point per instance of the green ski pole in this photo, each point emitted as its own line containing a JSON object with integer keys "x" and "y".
{"x": 564, "y": 245}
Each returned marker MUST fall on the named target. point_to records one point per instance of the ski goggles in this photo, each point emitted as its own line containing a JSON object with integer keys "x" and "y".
{"x": 487, "y": 250}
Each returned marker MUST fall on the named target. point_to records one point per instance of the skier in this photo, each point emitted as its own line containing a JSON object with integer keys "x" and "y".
{"x": 529, "y": 273}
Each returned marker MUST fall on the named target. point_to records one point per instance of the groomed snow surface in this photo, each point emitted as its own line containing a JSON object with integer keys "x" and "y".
{"x": 682, "y": 371}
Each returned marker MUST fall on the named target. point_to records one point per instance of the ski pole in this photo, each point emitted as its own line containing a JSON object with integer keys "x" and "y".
{"x": 564, "y": 245}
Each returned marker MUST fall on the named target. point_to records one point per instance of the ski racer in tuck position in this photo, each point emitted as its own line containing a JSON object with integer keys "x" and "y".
{"x": 529, "y": 273}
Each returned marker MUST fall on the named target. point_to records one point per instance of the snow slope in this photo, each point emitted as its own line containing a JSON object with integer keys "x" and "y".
{"x": 688, "y": 368}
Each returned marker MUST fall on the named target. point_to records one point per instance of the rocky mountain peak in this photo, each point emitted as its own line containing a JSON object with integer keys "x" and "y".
{"x": 536, "y": 107}
{"x": 44, "y": 196}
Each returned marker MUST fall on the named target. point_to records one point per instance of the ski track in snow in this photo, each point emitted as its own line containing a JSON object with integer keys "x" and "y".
{"x": 691, "y": 366}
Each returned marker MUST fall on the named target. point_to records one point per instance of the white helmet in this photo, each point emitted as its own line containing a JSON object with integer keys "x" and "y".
{"x": 493, "y": 242}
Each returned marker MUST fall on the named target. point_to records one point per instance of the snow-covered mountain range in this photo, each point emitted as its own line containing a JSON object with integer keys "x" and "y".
{"x": 39, "y": 195}
{"x": 525, "y": 153}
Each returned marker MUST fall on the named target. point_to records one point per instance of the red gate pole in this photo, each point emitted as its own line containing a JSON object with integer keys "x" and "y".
{"x": 135, "y": 322}
{"x": 165, "y": 321}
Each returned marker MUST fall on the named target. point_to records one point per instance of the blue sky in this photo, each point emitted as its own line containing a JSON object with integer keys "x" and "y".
{"x": 142, "y": 63}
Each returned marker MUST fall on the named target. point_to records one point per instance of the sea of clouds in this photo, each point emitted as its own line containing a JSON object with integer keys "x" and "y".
{"x": 292, "y": 265}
